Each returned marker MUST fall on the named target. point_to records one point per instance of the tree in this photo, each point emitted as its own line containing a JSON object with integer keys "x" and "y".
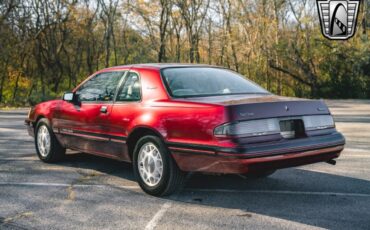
{"x": 193, "y": 13}
{"x": 48, "y": 47}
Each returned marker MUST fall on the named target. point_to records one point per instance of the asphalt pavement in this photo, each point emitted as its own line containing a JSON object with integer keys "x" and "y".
{"x": 88, "y": 192}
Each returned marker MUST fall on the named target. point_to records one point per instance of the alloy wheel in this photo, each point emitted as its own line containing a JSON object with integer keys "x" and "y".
{"x": 150, "y": 164}
{"x": 43, "y": 141}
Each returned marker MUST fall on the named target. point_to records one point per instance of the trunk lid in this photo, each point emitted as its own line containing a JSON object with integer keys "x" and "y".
{"x": 251, "y": 107}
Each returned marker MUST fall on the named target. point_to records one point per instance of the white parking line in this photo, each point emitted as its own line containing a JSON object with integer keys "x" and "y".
{"x": 19, "y": 159}
{"x": 46, "y": 184}
{"x": 63, "y": 185}
{"x": 158, "y": 216}
{"x": 18, "y": 149}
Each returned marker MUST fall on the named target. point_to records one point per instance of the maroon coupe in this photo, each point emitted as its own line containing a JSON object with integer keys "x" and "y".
{"x": 169, "y": 119}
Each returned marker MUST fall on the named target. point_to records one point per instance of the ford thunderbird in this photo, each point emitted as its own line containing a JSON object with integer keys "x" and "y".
{"x": 171, "y": 119}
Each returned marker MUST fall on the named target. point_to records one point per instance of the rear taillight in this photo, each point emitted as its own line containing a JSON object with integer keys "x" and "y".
{"x": 318, "y": 122}
{"x": 271, "y": 126}
{"x": 249, "y": 128}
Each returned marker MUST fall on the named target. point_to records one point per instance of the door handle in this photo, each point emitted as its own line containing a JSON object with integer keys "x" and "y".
{"x": 104, "y": 109}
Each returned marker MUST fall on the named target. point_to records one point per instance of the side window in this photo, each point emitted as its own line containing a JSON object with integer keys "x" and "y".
{"x": 131, "y": 89}
{"x": 101, "y": 87}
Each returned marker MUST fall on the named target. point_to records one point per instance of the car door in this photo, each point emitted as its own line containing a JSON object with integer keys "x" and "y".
{"x": 85, "y": 125}
{"x": 126, "y": 108}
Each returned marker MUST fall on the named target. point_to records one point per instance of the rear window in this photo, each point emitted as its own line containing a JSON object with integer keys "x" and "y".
{"x": 207, "y": 81}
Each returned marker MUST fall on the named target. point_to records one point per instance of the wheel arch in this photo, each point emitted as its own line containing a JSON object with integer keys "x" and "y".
{"x": 136, "y": 134}
{"x": 38, "y": 118}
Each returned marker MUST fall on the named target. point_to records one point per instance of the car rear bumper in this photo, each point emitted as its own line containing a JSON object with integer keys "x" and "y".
{"x": 258, "y": 157}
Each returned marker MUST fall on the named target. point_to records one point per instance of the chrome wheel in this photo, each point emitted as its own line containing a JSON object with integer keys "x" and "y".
{"x": 150, "y": 164}
{"x": 43, "y": 141}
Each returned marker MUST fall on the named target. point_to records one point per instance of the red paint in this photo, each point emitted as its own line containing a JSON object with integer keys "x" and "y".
{"x": 186, "y": 126}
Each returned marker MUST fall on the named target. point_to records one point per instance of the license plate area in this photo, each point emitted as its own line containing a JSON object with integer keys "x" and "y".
{"x": 292, "y": 128}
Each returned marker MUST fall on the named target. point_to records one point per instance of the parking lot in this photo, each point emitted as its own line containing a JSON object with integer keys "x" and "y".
{"x": 88, "y": 192}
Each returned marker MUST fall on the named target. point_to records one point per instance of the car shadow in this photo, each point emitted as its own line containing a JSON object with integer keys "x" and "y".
{"x": 296, "y": 194}
{"x": 100, "y": 164}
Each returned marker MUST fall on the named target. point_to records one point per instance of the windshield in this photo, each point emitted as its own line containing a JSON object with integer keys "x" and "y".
{"x": 207, "y": 81}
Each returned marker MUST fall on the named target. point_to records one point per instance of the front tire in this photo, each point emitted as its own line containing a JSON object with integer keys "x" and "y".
{"x": 48, "y": 147}
{"x": 154, "y": 168}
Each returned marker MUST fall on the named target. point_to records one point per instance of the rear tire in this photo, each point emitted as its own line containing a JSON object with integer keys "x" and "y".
{"x": 48, "y": 147}
{"x": 263, "y": 174}
{"x": 155, "y": 169}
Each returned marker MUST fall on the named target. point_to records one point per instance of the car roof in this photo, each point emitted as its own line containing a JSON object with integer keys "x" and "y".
{"x": 159, "y": 66}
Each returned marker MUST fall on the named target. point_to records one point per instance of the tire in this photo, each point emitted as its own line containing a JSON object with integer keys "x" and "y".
{"x": 52, "y": 152}
{"x": 263, "y": 174}
{"x": 148, "y": 171}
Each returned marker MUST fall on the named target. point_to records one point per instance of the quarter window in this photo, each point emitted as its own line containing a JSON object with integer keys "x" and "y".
{"x": 131, "y": 89}
{"x": 101, "y": 87}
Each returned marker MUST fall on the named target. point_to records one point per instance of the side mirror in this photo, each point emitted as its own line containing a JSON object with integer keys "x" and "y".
{"x": 70, "y": 97}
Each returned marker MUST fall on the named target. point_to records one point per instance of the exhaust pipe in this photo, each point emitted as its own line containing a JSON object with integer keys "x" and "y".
{"x": 332, "y": 162}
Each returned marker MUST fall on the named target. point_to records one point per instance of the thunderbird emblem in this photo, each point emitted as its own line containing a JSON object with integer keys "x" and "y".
{"x": 338, "y": 18}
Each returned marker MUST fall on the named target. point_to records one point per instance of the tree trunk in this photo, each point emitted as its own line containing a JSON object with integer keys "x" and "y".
{"x": 114, "y": 48}
{"x": 3, "y": 76}
{"x": 163, "y": 30}
{"x": 23, "y": 56}
{"x": 107, "y": 48}
{"x": 2, "y": 85}
{"x": 277, "y": 39}
{"x": 197, "y": 54}
{"x": 210, "y": 42}
{"x": 192, "y": 46}
{"x": 162, "y": 52}
{"x": 16, "y": 87}
{"x": 28, "y": 99}
{"x": 230, "y": 35}
{"x": 178, "y": 47}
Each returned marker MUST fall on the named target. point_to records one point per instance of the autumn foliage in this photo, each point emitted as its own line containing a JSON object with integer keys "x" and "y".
{"x": 48, "y": 47}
